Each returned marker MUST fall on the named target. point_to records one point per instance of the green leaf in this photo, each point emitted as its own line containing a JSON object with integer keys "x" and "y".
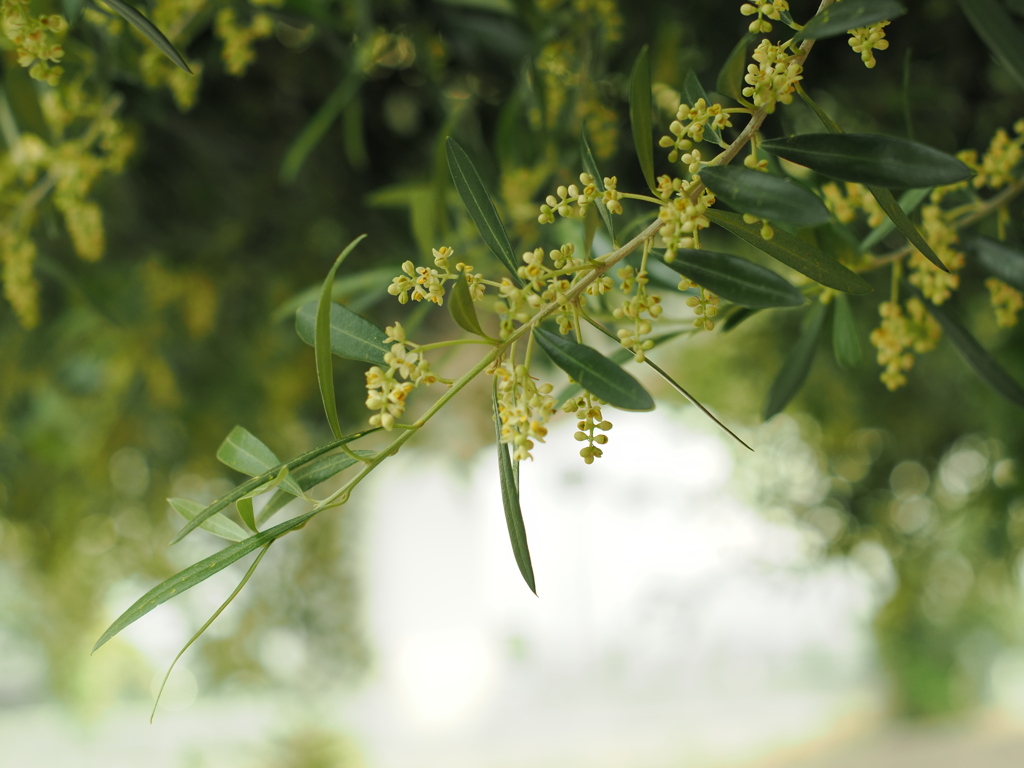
{"x": 622, "y": 354}
{"x": 245, "y": 511}
{"x": 309, "y": 476}
{"x": 352, "y": 336}
{"x": 269, "y": 476}
{"x": 1004, "y": 262}
{"x": 245, "y": 453}
{"x": 510, "y": 501}
{"x": 975, "y": 355}
{"x": 218, "y": 524}
{"x": 741, "y": 315}
{"x": 870, "y": 158}
{"x": 840, "y": 18}
{"x": 794, "y": 253}
{"x": 149, "y": 31}
{"x": 318, "y": 125}
{"x": 908, "y": 203}
{"x": 798, "y": 363}
{"x": 460, "y": 305}
{"x": 736, "y": 279}
{"x": 730, "y": 77}
{"x": 888, "y": 203}
{"x": 845, "y": 343}
{"x": 590, "y": 166}
{"x": 693, "y": 92}
{"x": 478, "y": 202}
{"x": 640, "y": 120}
{"x": 765, "y": 196}
{"x": 197, "y": 574}
{"x": 594, "y": 372}
{"x": 322, "y": 336}
{"x": 1000, "y": 33}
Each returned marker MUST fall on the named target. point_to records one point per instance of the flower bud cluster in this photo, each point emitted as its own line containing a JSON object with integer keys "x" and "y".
{"x": 21, "y": 289}
{"x": 772, "y": 80}
{"x": 581, "y": 197}
{"x": 846, "y": 203}
{"x": 587, "y": 409}
{"x": 239, "y": 39}
{"x": 419, "y": 283}
{"x": 935, "y": 284}
{"x": 523, "y": 408}
{"x": 35, "y": 39}
{"x": 867, "y": 40}
{"x": 900, "y": 336}
{"x": 682, "y": 220}
{"x": 999, "y": 165}
{"x": 634, "y": 308}
{"x": 689, "y": 126}
{"x": 765, "y": 9}
{"x": 388, "y": 389}
{"x": 1006, "y": 301}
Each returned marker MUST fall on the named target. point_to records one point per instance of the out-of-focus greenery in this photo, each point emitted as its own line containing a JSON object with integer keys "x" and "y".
{"x": 234, "y": 202}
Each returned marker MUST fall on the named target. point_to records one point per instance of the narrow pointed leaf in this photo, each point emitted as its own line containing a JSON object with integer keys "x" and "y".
{"x": 730, "y": 77}
{"x": 594, "y": 372}
{"x": 839, "y": 18}
{"x": 870, "y": 158}
{"x": 798, "y": 363}
{"x": 590, "y": 166}
{"x": 460, "y": 306}
{"x": 318, "y": 125}
{"x": 975, "y": 355}
{"x": 478, "y": 202}
{"x": 309, "y": 476}
{"x": 845, "y": 343}
{"x": 251, "y": 485}
{"x": 1000, "y": 33}
{"x": 736, "y": 279}
{"x": 149, "y": 31}
{"x": 246, "y": 512}
{"x": 693, "y": 92}
{"x": 794, "y": 253}
{"x": 197, "y": 574}
{"x": 1001, "y": 260}
{"x": 322, "y": 341}
{"x": 765, "y": 196}
{"x": 246, "y": 453}
{"x": 908, "y": 203}
{"x": 510, "y": 501}
{"x": 640, "y": 119}
{"x": 218, "y": 524}
{"x": 353, "y": 337}
{"x": 740, "y": 316}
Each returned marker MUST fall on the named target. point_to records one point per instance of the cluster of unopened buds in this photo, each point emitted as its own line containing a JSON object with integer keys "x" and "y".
{"x": 900, "y": 335}
{"x": 765, "y": 9}
{"x": 387, "y": 389}
{"x": 524, "y": 408}
{"x": 34, "y": 39}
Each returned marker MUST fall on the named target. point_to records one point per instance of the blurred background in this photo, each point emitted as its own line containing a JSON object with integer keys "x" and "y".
{"x": 849, "y": 594}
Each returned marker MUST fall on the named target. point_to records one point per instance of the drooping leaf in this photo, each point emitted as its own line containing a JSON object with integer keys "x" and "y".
{"x": 149, "y": 31}
{"x": 262, "y": 479}
{"x": 308, "y": 476}
{"x": 1000, "y": 33}
{"x": 246, "y": 512}
{"x": 798, "y": 363}
{"x": 640, "y": 119}
{"x": 245, "y": 580}
{"x": 322, "y": 334}
{"x": 764, "y": 195}
{"x": 693, "y": 92}
{"x": 908, "y": 203}
{"x": 460, "y": 306}
{"x": 870, "y": 158}
{"x": 352, "y": 337}
{"x": 741, "y": 315}
{"x": 794, "y": 253}
{"x": 1001, "y": 260}
{"x": 246, "y": 453}
{"x": 510, "y": 501}
{"x": 590, "y": 166}
{"x": 478, "y": 202}
{"x": 977, "y": 358}
{"x": 622, "y": 354}
{"x": 197, "y": 574}
{"x": 218, "y": 524}
{"x": 845, "y": 343}
{"x": 736, "y": 279}
{"x": 314, "y": 131}
{"x": 885, "y": 199}
{"x": 730, "y": 77}
{"x": 594, "y": 372}
{"x": 839, "y": 18}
